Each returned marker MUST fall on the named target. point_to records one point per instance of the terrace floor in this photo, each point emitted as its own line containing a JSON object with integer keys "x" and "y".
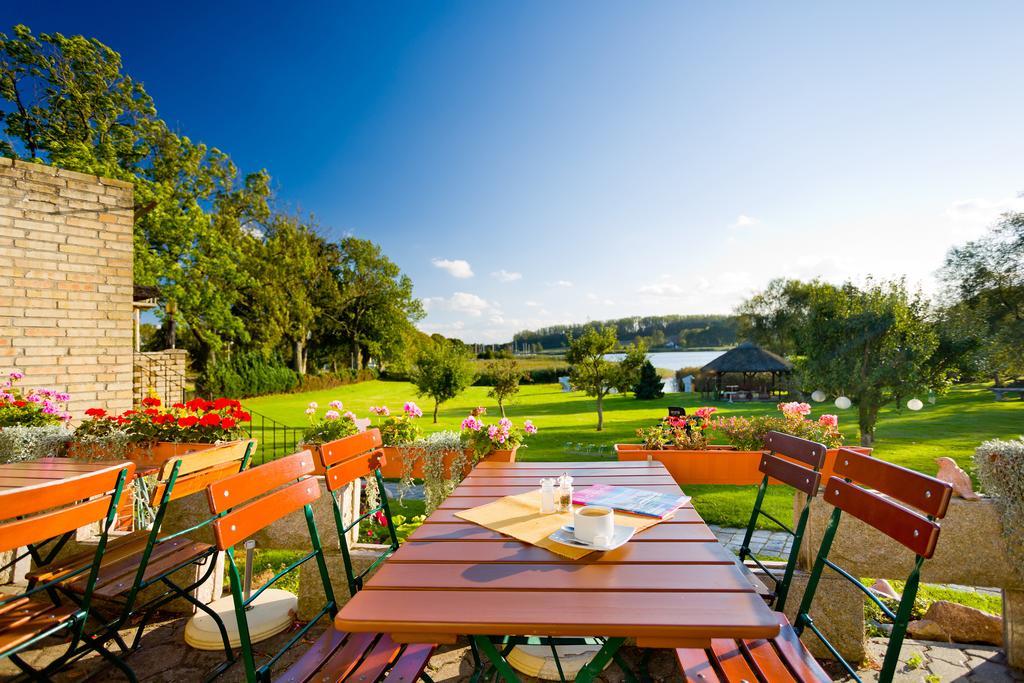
{"x": 165, "y": 657}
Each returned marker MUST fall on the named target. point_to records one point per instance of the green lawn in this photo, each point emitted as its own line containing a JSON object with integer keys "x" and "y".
{"x": 952, "y": 427}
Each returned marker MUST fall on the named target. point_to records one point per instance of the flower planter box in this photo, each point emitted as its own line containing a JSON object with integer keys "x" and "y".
{"x": 143, "y": 455}
{"x": 717, "y": 465}
{"x": 394, "y": 457}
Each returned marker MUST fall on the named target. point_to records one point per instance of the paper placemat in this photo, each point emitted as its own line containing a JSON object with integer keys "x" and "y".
{"x": 519, "y": 516}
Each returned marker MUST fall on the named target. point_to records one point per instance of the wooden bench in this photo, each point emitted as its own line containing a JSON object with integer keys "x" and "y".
{"x": 1001, "y": 392}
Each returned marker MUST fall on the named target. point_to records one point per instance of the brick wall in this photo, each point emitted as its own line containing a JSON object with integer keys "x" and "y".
{"x": 162, "y": 372}
{"x": 66, "y": 283}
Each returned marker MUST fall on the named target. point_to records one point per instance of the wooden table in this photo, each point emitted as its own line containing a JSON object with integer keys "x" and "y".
{"x": 46, "y": 470}
{"x": 672, "y": 585}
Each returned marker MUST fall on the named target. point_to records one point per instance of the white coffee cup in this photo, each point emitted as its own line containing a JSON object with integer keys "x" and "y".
{"x": 594, "y": 524}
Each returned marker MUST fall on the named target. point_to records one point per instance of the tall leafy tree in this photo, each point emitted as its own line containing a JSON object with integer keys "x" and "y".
{"x": 505, "y": 374}
{"x": 775, "y": 317}
{"x": 985, "y": 282}
{"x": 442, "y": 371}
{"x": 874, "y": 344}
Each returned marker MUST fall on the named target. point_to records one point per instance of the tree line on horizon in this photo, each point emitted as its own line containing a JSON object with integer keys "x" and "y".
{"x": 653, "y": 331}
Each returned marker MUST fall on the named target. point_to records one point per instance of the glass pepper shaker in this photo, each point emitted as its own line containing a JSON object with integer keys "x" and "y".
{"x": 565, "y": 493}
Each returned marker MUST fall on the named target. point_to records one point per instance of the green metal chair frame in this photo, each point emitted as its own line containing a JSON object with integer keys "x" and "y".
{"x": 80, "y": 494}
{"x": 109, "y": 630}
{"x": 896, "y": 515}
{"x": 792, "y": 472}
{"x": 248, "y": 502}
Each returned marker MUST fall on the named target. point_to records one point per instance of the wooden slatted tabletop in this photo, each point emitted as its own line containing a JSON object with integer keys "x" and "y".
{"x": 672, "y": 585}
{"x": 16, "y": 475}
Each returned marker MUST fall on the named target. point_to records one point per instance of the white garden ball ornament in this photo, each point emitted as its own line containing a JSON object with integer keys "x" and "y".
{"x": 915, "y": 404}
{"x": 818, "y": 396}
{"x": 843, "y": 403}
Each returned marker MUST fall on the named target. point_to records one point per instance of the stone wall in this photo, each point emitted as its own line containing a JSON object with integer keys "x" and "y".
{"x": 162, "y": 372}
{"x": 66, "y": 283}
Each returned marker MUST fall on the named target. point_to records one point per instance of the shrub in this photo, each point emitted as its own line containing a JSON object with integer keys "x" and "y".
{"x": 649, "y": 386}
{"x": 247, "y": 374}
{"x": 31, "y": 443}
{"x": 1001, "y": 472}
{"x": 747, "y": 433}
{"x": 398, "y": 430}
{"x": 687, "y": 432}
{"x": 332, "y": 426}
{"x": 31, "y": 407}
{"x": 329, "y": 380}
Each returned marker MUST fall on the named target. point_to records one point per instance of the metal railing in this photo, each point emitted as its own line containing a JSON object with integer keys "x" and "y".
{"x": 169, "y": 384}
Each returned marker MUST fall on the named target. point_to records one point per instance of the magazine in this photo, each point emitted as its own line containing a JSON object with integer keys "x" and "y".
{"x": 636, "y": 501}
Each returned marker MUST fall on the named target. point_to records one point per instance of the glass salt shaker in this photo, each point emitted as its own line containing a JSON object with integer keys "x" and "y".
{"x": 565, "y": 493}
{"x": 547, "y": 496}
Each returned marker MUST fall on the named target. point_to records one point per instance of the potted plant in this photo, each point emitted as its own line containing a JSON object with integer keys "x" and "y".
{"x": 33, "y": 421}
{"x": 152, "y": 434}
{"x": 400, "y": 433}
{"x": 682, "y": 444}
{"x": 495, "y": 442}
{"x": 326, "y": 431}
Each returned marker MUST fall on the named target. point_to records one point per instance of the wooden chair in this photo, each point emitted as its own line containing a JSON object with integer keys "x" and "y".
{"x": 32, "y": 516}
{"x": 145, "y": 558}
{"x": 800, "y": 470}
{"x": 355, "y": 457}
{"x": 256, "y": 498}
{"x": 900, "y": 503}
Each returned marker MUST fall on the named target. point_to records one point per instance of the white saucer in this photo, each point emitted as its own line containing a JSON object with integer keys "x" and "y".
{"x": 566, "y": 536}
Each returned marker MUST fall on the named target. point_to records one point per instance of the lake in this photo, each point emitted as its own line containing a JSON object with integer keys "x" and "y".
{"x": 673, "y": 360}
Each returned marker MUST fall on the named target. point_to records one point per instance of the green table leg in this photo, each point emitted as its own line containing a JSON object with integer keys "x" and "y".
{"x": 595, "y": 666}
{"x": 504, "y": 669}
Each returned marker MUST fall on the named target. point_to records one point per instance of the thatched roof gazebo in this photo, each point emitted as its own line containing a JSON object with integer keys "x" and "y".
{"x": 748, "y": 360}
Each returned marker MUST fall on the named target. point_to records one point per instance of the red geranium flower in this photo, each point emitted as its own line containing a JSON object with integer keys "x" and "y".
{"x": 151, "y": 411}
{"x": 227, "y": 423}
{"x": 189, "y": 421}
{"x": 179, "y": 406}
{"x": 151, "y": 401}
{"x": 241, "y": 415}
{"x": 20, "y": 404}
{"x": 197, "y": 404}
{"x": 127, "y": 413}
{"x": 96, "y": 412}
{"x": 222, "y": 403}
{"x": 210, "y": 420}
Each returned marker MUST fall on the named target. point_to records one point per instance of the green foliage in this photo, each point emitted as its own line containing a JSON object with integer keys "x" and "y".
{"x": 591, "y": 372}
{"x": 985, "y": 280}
{"x": 443, "y": 370}
{"x": 687, "y": 331}
{"x": 649, "y": 385}
{"x": 331, "y": 426}
{"x": 628, "y": 375}
{"x": 505, "y": 375}
{"x": 747, "y": 433}
{"x": 246, "y": 374}
{"x": 31, "y": 443}
{"x": 1001, "y": 471}
{"x": 438, "y": 481}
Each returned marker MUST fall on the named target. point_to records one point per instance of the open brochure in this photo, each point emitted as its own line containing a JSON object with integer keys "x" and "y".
{"x": 625, "y": 499}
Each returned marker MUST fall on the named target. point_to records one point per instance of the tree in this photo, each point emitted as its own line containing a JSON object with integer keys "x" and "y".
{"x": 775, "y": 317}
{"x": 505, "y": 373}
{"x": 985, "y": 281}
{"x": 589, "y": 369}
{"x": 649, "y": 386}
{"x": 628, "y": 369}
{"x": 442, "y": 372}
{"x": 875, "y": 345}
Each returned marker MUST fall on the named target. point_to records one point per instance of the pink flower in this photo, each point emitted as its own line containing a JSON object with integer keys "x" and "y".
{"x": 16, "y": 375}
{"x": 412, "y": 410}
{"x": 472, "y": 423}
{"x": 794, "y": 408}
{"x": 505, "y": 423}
{"x": 380, "y": 518}
{"x": 313, "y": 405}
{"x": 380, "y": 410}
{"x": 492, "y": 431}
{"x": 529, "y": 427}
{"x": 350, "y": 415}
{"x": 310, "y": 411}
{"x": 332, "y": 415}
{"x": 336, "y": 405}
{"x": 705, "y": 413}
{"x": 829, "y": 420}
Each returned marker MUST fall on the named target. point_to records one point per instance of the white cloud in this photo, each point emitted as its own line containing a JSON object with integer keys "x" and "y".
{"x": 506, "y": 276}
{"x": 455, "y": 267}
{"x": 560, "y": 283}
{"x": 532, "y": 304}
{"x": 983, "y": 210}
{"x": 744, "y": 221}
{"x": 459, "y": 302}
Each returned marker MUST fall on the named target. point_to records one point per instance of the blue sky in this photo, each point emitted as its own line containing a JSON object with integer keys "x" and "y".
{"x": 531, "y": 163}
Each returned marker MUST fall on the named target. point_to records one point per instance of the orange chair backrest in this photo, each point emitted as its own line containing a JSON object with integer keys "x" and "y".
{"x": 260, "y": 496}
{"x": 351, "y": 458}
{"x": 799, "y": 468}
{"x": 200, "y": 468}
{"x": 34, "y": 514}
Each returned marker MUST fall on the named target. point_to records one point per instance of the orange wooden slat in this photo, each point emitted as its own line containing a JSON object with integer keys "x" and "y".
{"x": 765, "y": 660}
{"x": 34, "y": 530}
{"x": 796, "y": 656}
{"x": 903, "y": 525}
{"x": 457, "y": 501}
{"x": 925, "y": 493}
{"x": 808, "y": 452}
{"x": 411, "y": 663}
{"x": 343, "y": 473}
{"x": 62, "y": 490}
{"x": 195, "y": 482}
{"x": 306, "y": 666}
{"x": 444, "y": 515}
{"x": 244, "y": 486}
{"x": 376, "y": 661}
{"x": 243, "y": 522}
{"x": 350, "y": 446}
{"x": 654, "y": 552}
{"x": 729, "y": 658}
{"x": 499, "y": 491}
{"x": 475, "y": 532}
{"x": 601, "y": 473}
{"x": 347, "y": 657}
{"x": 696, "y": 667}
{"x": 800, "y": 478}
{"x": 693, "y": 578}
{"x": 559, "y": 613}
